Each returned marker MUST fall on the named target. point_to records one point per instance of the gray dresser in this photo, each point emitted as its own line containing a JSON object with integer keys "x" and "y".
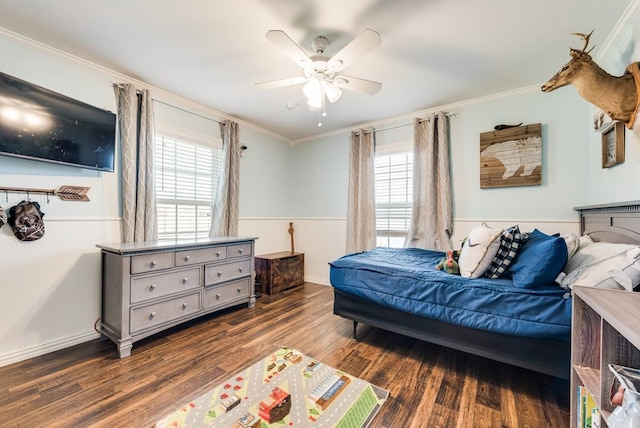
{"x": 148, "y": 287}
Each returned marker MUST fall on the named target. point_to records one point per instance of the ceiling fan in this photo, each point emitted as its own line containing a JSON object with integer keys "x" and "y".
{"x": 322, "y": 78}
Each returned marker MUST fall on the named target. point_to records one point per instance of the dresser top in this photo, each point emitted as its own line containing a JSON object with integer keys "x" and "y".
{"x": 127, "y": 248}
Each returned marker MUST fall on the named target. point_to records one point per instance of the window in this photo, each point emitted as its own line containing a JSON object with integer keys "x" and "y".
{"x": 393, "y": 191}
{"x": 186, "y": 181}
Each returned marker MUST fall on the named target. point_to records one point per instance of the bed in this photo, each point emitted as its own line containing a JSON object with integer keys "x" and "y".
{"x": 382, "y": 288}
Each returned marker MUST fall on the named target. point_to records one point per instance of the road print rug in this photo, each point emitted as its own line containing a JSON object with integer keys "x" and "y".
{"x": 285, "y": 389}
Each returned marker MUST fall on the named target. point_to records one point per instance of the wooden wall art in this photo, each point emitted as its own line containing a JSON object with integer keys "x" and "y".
{"x": 613, "y": 145}
{"x": 511, "y": 157}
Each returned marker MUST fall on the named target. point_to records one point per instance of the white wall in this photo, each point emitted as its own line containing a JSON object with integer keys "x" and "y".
{"x": 618, "y": 183}
{"x": 320, "y": 188}
{"x": 50, "y": 288}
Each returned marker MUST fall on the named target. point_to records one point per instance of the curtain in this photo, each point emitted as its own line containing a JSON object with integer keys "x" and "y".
{"x": 431, "y": 215}
{"x": 224, "y": 220}
{"x": 135, "y": 122}
{"x": 361, "y": 209}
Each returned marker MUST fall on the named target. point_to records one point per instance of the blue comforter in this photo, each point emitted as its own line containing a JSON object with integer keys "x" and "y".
{"x": 406, "y": 279}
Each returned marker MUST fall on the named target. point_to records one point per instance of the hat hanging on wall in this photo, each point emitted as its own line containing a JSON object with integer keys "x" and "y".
{"x": 25, "y": 219}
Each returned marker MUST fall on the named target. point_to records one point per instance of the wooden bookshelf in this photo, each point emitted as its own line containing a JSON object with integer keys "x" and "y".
{"x": 605, "y": 331}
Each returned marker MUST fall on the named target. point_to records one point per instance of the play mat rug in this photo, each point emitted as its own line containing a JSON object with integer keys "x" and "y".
{"x": 285, "y": 389}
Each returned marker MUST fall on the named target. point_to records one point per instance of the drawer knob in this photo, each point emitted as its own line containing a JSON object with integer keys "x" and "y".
{"x": 219, "y": 274}
{"x": 218, "y": 254}
{"x": 239, "y": 290}
{"x": 152, "y": 315}
{"x": 185, "y": 280}
{"x": 153, "y": 263}
{"x": 240, "y": 250}
{"x": 184, "y": 305}
{"x": 240, "y": 269}
{"x": 187, "y": 258}
{"x": 152, "y": 287}
{"x": 217, "y": 297}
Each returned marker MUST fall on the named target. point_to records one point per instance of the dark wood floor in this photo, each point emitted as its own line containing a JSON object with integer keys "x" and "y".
{"x": 430, "y": 386}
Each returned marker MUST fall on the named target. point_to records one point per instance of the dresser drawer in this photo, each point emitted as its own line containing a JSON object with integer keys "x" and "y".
{"x": 239, "y": 250}
{"x": 153, "y": 286}
{"x": 215, "y": 274}
{"x": 151, "y": 262}
{"x": 189, "y": 257}
{"x": 152, "y": 315}
{"x": 222, "y": 294}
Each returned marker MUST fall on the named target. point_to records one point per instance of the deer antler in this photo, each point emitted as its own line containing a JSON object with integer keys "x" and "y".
{"x": 585, "y": 37}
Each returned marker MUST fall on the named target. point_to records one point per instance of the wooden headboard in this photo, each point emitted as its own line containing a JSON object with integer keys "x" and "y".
{"x": 619, "y": 222}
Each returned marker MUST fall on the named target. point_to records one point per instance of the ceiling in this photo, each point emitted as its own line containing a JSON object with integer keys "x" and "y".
{"x": 433, "y": 52}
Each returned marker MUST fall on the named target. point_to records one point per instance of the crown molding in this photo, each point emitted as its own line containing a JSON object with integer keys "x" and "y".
{"x": 157, "y": 93}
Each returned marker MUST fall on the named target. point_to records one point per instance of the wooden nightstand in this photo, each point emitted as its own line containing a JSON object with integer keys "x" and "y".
{"x": 279, "y": 271}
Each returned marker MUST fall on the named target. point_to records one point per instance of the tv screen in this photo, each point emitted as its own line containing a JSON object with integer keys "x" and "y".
{"x": 37, "y": 123}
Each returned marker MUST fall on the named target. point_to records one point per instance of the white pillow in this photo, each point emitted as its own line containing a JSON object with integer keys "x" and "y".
{"x": 620, "y": 272}
{"x": 573, "y": 243}
{"x": 478, "y": 251}
{"x": 585, "y": 240}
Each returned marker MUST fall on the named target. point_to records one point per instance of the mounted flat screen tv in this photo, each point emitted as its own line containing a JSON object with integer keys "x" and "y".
{"x": 36, "y": 123}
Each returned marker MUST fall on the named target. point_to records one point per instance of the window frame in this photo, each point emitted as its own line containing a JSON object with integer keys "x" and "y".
{"x": 184, "y": 204}
{"x": 397, "y": 174}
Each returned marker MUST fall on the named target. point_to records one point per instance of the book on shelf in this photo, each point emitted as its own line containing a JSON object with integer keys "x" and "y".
{"x": 588, "y": 414}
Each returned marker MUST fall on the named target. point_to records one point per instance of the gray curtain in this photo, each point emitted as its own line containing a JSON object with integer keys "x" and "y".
{"x": 431, "y": 216}
{"x": 224, "y": 220}
{"x": 136, "y": 130}
{"x": 361, "y": 209}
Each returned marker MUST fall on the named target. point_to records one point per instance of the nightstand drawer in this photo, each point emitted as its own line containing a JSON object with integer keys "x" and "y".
{"x": 189, "y": 257}
{"x": 151, "y": 262}
{"x": 215, "y": 274}
{"x": 154, "y": 286}
{"x": 222, "y": 294}
{"x": 159, "y": 313}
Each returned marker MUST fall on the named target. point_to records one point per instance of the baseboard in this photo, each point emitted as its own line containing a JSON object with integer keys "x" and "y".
{"x": 316, "y": 280}
{"x": 45, "y": 348}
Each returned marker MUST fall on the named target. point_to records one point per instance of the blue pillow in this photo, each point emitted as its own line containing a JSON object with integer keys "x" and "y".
{"x": 539, "y": 260}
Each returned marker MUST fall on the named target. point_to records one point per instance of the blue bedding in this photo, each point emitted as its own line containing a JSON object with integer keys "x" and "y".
{"x": 406, "y": 279}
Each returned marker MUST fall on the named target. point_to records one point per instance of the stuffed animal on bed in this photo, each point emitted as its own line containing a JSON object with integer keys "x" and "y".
{"x": 449, "y": 264}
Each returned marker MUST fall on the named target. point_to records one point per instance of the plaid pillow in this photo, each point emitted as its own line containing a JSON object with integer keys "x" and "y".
{"x": 510, "y": 241}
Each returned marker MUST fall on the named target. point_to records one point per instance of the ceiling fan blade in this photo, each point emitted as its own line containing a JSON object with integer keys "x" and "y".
{"x": 290, "y": 48}
{"x": 360, "y": 46}
{"x": 356, "y": 84}
{"x": 281, "y": 83}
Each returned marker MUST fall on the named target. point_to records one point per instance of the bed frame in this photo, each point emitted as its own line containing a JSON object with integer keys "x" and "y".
{"x": 618, "y": 223}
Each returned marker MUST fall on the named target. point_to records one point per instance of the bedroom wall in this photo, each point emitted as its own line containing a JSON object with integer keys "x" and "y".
{"x": 50, "y": 288}
{"x": 320, "y": 189}
{"x": 618, "y": 183}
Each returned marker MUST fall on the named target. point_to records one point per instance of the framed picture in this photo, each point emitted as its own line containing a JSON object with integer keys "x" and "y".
{"x": 511, "y": 157}
{"x": 613, "y": 144}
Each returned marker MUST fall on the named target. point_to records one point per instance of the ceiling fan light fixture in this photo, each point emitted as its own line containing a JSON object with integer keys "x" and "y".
{"x": 314, "y": 102}
{"x": 311, "y": 89}
{"x": 333, "y": 92}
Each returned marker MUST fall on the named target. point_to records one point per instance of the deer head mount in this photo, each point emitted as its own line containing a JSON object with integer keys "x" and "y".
{"x": 616, "y": 96}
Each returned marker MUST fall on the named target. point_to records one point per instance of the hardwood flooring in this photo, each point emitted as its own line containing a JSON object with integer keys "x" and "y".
{"x": 430, "y": 386}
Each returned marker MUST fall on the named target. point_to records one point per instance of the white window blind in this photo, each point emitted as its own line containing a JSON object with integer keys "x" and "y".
{"x": 393, "y": 191}
{"x": 186, "y": 181}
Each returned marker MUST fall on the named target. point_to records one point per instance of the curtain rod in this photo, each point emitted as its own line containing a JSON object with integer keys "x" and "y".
{"x": 411, "y": 123}
{"x": 120, "y": 85}
{"x": 185, "y": 110}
